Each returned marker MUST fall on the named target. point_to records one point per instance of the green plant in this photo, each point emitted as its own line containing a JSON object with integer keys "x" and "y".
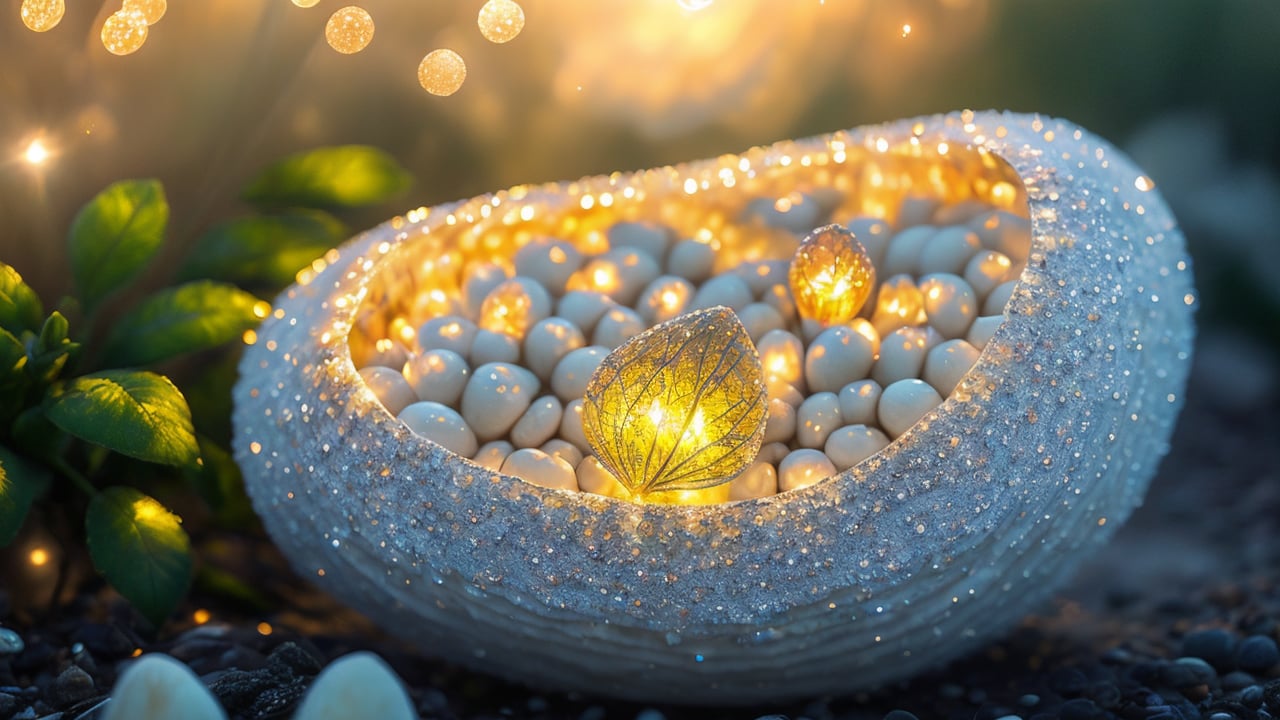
{"x": 99, "y": 417}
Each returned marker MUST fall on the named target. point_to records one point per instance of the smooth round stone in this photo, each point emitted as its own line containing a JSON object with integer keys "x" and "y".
{"x": 636, "y": 270}
{"x": 496, "y": 396}
{"x": 451, "y": 332}
{"x": 562, "y": 449}
{"x": 594, "y": 477}
{"x": 949, "y": 303}
{"x": 779, "y": 298}
{"x": 539, "y": 422}
{"x": 986, "y": 270}
{"x": 904, "y": 402}
{"x": 947, "y": 363}
{"x": 665, "y": 298}
{"x": 1004, "y": 232}
{"x": 999, "y": 298}
{"x": 514, "y": 306}
{"x": 836, "y": 357}
{"x": 583, "y": 308}
{"x": 493, "y": 453}
{"x": 438, "y": 375}
{"x": 851, "y": 444}
{"x": 784, "y": 391}
{"x": 781, "y": 356}
{"x": 618, "y": 325}
{"x": 550, "y": 261}
{"x": 388, "y": 353}
{"x": 905, "y": 249}
{"x": 389, "y": 386}
{"x": 440, "y": 424}
{"x": 479, "y": 279}
{"x": 757, "y": 481}
{"x": 902, "y": 354}
{"x": 491, "y": 347}
{"x": 982, "y": 329}
{"x": 547, "y": 342}
{"x": 571, "y": 426}
{"x": 898, "y": 304}
{"x": 803, "y": 467}
{"x": 10, "y": 642}
{"x": 949, "y": 250}
{"x": 759, "y": 318}
{"x": 772, "y": 453}
{"x": 959, "y": 212}
{"x": 539, "y": 468}
{"x": 780, "y": 425}
{"x": 917, "y": 210}
{"x": 761, "y": 275}
{"x": 648, "y": 238}
{"x": 874, "y": 234}
{"x": 817, "y": 417}
{"x": 692, "y": 260}
{"x": 727, "y": 289}
{"x": 569, "y": 379}
{"x": 858, "y": 402}
{"x": 797, "y": 212}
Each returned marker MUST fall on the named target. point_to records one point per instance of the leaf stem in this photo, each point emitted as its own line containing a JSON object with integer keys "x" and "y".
{"x": 75, "y": 476}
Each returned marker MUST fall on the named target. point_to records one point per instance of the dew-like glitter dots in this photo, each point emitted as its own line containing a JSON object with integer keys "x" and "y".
{"x": 500, "y": 21}
{"x": 349, "y": 30}
{"x": 124, "y": 32}
{"x": 442, "y": 72}
{"x": 42, "y": 15}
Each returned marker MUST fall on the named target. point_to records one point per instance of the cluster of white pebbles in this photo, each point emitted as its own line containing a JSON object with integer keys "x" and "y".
{"x": 502, "y": 380}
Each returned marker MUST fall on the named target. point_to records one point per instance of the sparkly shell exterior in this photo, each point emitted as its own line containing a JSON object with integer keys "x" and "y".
{"x": 925, "y": 550}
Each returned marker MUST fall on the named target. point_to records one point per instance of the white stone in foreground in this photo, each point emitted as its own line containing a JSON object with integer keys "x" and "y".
{"x": 359, "y": 685}
{"x": 158, "y": 687}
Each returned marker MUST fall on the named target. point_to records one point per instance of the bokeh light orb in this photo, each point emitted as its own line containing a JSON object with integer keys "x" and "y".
{"x": 500, "y": 21}
{"x": 42, "y": 15}
{"x": 305, "y": 3}
{"x": 151, "y": 10}
{"x": 349, "y": 30}
{"x": 124, "y": 32}
{"x": 442, "y": 72}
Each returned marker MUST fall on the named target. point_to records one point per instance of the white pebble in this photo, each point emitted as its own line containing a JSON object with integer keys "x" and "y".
{"x": 571, "y": 426}
{"x": 1004, "y": 232}
{"x": 780, "y": 424}
{"x": 949, "y": 250}
{"x": 999, "y": 298}
{"x": 357, "y": 685}
{"x": 781, "y": 357}
{"x": 902, "y": 354}
{"x": 617, "y": 326}
{"x": 562, "y": 449}
{"x": 388, "y": 353}
{"x": 916, "y": 210}
{"x": 761, "y": 275}
{"x": 874, "y": 234}
{"x": 727, "y": 289}
{"x": 949, "y": 303}
{"x": 438, "y": 375}
{"x": 514, "y": 306}
{"x": 784, "y": 391}
{"x": 493, "y": 453}
{"x": 549, "y": 261}
{"x": 779, "y": 298}
{"x": 692, "y": 260}
{"x": 759, "y": 318}
{"x": 665, "y": 298}
{"x": 796, "y": 212}
{"x": 858, "y": 402}
{"x": 451, "y": 332}
{"x": 479, "y": 279}
{"x": 594, "y": 477}
{"x": 959, "y": 212}
{"x": 583, "y": 308}
{"x": 852, "y": 444}
{"x": 389, "y": 386}
{"x": 982, "y": 329}
{"x": 648, "y": 238}
{"x": 837, "y": 357}
{"x": 636, "y": 270}
{"x": 159, "y": 686}
{"x": 547, "y": 342}
{"x": 757, "y": 481}
{"x": 947, "y": 363}
{"x": 898, "y": 304}
{"x": 818, "y": 417}
{"x": 772, "y": 453}
{"x": 440, "y": 424}
{"x": 904, "y": 402}
{"x": 986, "y": 270}
{"x": 539, "y": 468}
{"x": 491, "y": 347}
{"x": 496, "y": 396}
{"x": 903, "y": 253}
{"x": 538, "y": 423}
{"x": 804, "y": 467}
{"x": 569, "y": 379}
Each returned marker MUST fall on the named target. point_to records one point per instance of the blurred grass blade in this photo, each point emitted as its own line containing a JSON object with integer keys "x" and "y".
{"x": 21, "y": 482}
{"x": 265, "y": 250}
{"x": 20, "y": 307}
{"x": 328, "y": 177}
{"x": 141, "y": 548}
{"x": 187, "y": 318}
{"x": 135, "y": 413}
{"x": 114, "y": 236}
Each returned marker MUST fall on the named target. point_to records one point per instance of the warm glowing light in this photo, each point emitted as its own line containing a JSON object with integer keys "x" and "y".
{"x": 305, "y": 3}
{"x": 349, "y": 30}
{"x": 200, "y": 616}
{"x": 506, "y": 310}
{"x": 899, "y": 304}
{"x": 500, "y": 21}
{"x": 831, "y": 275}
{"x": 694, "y": 5}
{"x": 906, "y": 29}
{"x": 124, "y": 32}
{"x": 264, "y": 628}
{"x": 678, "y": 407}
{"x": 1143, "y": 183}
{"x": 42, "y": 15}
{"x": 151, "y": 10}
{"x": 39, "y": 557}
{"x": 36, "y": 152}
{"x": 442, "y": 72}
{"x": 597, "y": 276}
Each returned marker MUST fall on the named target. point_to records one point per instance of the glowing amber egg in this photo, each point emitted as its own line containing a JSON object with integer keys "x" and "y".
{"x": 898, "y": 304}
{"x": 831, "y": 275}
{"x": 442, "y": 72}
{"x": 349, "y": 30}
{"x": 500, "y": 21}
{"x": 42, "y": 15}
{"x": 124, "y": 32}
{"x": 681, "y": 406}
{"x": 151, "y": 10}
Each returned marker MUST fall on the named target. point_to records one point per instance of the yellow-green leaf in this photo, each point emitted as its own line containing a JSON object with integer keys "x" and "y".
{"x": 141, "y": 548}
{"x": 21, "y": 481}
{"x": 114, "y": 236}
{"x": 188, "y": 318}
{"x": 263, "y": 250}
{"x": 20, "y": 307}
{"x": 342, "y": 176}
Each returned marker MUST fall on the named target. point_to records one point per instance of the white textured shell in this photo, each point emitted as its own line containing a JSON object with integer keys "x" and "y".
{"x": 917, "y": 554}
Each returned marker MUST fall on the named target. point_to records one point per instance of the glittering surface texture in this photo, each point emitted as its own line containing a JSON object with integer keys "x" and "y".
{"x": 920, "y": 552}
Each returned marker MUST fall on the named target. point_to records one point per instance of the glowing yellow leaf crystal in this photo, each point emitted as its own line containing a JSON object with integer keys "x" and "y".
{"x": 679, "y": 407}
{"x": 831, "y": 275}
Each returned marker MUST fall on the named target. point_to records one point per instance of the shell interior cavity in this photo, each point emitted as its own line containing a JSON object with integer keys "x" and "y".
{"x": 505, "y": 554}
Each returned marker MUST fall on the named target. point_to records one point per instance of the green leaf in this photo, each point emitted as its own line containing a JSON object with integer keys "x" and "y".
{"x": 114, "y": 236}
{"x": 20, "y": 307}
{"x": 38, "y": 437}
{"x": 342, "y": 176}
{"x": 188, "y": 318}
{"x": 21, "y": 482}
{"x": 263, "y": 250}
{"x": 14, "y": 380}
{"x": 49, "y": 353}
{"x": 135, "y": 413}
{"x": 141, "y": 548}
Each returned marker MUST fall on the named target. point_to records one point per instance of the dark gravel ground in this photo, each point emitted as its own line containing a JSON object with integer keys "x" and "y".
{"x": 1177, "y": 618}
